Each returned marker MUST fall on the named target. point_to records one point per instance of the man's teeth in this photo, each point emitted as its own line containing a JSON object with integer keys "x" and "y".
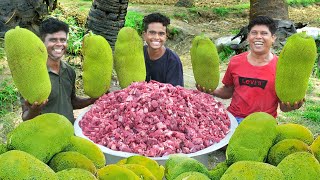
{"x": 258, "y": 43}
{"x": 58, "y": 50}
{"x": 156, "y": 43}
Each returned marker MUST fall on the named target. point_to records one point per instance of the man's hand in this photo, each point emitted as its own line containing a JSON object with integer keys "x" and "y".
{"x": 286, "y": 106}
{"x": 35, "y": 107}
{"x": 203, "y": 89}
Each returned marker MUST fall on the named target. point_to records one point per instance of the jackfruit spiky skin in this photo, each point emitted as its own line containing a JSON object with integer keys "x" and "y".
{"x": 129, "y": 61}
{"x": 42, "y": 136}
{"x": 152, "y": 165}
{"x": 205, "y": 62}
{"x": 217, "y": 172}
{"x": 19, "y": 165}
{"x": 115, "y": 172}
{"x": 294, "y": 131}
{"x": 300, "y": 166}
{"x": 140, "y": 171}
{"x": 192, "y": 176}
{"x": 252, "y": 139}
{"x": 97, "y": 65}
{"x": 3, "y": 148}
{"x": 75, "y": 174}
{"x": 179, "y": 163}
{"x": 71, "y": 159}
{"x": 27, "y": 60}
{"x": 87, "y": 148}
{"x": 315, "y": 148}
{"x": 284, "y": 148}
{"x": 251, "y": 170}
{"x": 294, "y": 67}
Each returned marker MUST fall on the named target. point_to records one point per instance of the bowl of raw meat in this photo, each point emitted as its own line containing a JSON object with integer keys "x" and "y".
{"x": 155, "y": 120}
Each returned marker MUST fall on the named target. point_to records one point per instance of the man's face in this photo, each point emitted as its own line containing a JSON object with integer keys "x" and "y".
{"x": 155, "y": 36}
{"x": 260, "y": 39}
{"x": 56, "y": 45}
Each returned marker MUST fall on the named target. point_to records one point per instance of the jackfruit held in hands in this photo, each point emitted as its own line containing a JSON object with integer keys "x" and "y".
{"x": 87, "y": 148}
{"x": 27, "y": 60}
{"x": 205, "y": 62}
{"x": 75, "y": 174}
{"x": 294, "y": 131}
{"x": 42, "y": 136}
{"x": 97, "y": 65}
{"x": 252, "y": 139}
{"x": 19, "y": 165}
{"x": 115, "y": 172}
{"x": 294, "y": 67}
{"x": 128, "y": 57}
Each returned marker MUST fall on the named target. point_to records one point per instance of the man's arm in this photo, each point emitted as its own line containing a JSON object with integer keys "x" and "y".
{"x": 79, "y": 103}
{"x": 30, "y": 111}
{"x": 224, "y": 92}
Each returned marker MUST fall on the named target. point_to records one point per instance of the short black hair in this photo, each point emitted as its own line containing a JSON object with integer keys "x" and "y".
{"x": 155, "y": 17}
{"x": 52, "y": 25}
{"x": 264, "y": 20}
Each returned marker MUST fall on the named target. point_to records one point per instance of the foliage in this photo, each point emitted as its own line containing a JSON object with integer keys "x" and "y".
{"x": 225, "y": 53}
{"x": 135, "y": 20}
{"x": 8, "y": 97}
{"x": 302, "y": 2}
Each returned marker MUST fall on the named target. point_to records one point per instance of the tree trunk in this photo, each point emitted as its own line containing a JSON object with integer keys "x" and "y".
{"x": 276, "y": 9}
{"x": 107, "y": 17}
{"x": 24, "y": 13}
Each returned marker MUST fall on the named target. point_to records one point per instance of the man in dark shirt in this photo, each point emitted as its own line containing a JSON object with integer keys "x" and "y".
{"x": 162, "y": 64}
{"x": 62, "y": 99}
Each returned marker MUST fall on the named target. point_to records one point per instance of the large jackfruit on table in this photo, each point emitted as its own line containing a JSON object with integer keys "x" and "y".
{"x": 294, "y": 67}
{"x": 97, "y": 65}
{"x": 27, "y": 60}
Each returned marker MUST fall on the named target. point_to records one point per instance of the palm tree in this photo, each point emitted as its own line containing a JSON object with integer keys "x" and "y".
{"x": 107, "y": 17}
{"x": 277, "y": 9}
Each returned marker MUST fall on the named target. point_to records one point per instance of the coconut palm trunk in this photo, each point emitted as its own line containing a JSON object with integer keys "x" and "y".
{"x": 277, "y": 9}
{"x": 107, "y": 17}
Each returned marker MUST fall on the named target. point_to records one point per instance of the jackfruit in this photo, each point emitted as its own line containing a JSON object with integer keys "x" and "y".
{"x": 285, "y": 147}
{"x": 300, "y": 166}
{"x": 3, "y": 148}
{"x": 140, "y": 171}
{"x": 192, "y": 176}
{"x": 294, "y": 67}
{"x": 43, "y": 136}
{"x": 27, "y": 60}
{"x": 252, "y": 139}
{"x": 205, "y": 62}
{"x": 115, "y": 172}
{"x": 71, "y": 159}
{"x": 315, "y": 148}
{"x": 128, "y": 56}
{"x": 152, "y": 165}
{"x": 97, "y": 65}
{"x": 179, "y": 163}
{"x": 251, "y": 170}
{"x": 87, "y": 148}
{"x": 294, "y": 131}
{"x": 122, "y": 161}
{"x": 75, "y": 174}
{"x": 217, "y": 172}
{"x": 19, "y": 165}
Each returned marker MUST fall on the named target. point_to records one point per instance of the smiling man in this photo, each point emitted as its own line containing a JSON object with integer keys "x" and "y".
{"x": 62, "y": 99}
{"x": 162, "y": 64}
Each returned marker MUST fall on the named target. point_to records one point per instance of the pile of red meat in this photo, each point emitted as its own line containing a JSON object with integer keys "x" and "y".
{"x": 155, "y": 119}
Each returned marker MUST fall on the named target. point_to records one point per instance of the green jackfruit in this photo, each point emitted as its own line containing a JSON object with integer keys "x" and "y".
{"x": 97, "y": 65}
{"x": 42, "y": 136}
{"x": 251, "y": 170}
{"x": 252, "y": 139}
{"x": 192, "y": 176}
{"x": 115, "y": 172}
{"x": 71, "y": 159}
{"x": 122, "y": 161}
{"x": 285, "y": 147}
{"x": 300, "y": 166}
{"x": 27, "y": 60}
{"x": 128, "y": 57}
{"x": 294, "y": 67}
{"x": 140, "y": 171}
{"x": 315, "y": 148}
{"x": 294, "y": 131}
{"x": 156, "y": 169}
{"x": 179, "y": 163}
{"x": 87, "y": 148}
{"x": 75, "y": 174}
{"x": 217, "y": 172}
{"x": 19, "y": 165}
{"x": 205, "y": 62}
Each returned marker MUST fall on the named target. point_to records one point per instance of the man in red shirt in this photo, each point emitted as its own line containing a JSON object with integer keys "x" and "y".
{"x": 250, "y": 76}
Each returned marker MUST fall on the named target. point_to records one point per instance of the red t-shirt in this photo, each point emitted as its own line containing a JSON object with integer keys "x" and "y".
{"x": 254, "y": 88}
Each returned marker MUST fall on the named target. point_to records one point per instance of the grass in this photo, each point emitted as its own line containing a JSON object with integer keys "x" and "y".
{"x": 134, "y": 19}
{"x": 302, "y": 2}
{"x": 9, "y": 99}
